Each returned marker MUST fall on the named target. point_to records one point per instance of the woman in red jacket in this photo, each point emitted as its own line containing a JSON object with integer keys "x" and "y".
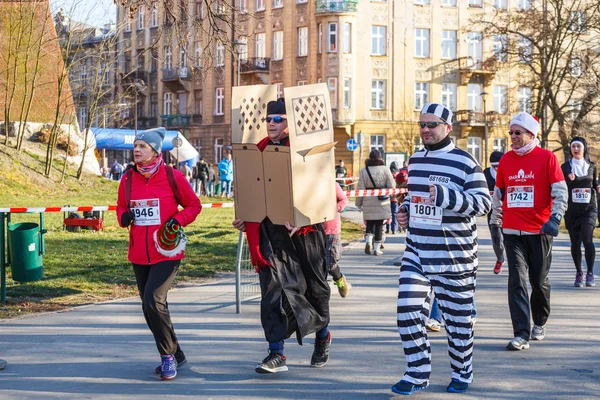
{"x": 149, "y": 195}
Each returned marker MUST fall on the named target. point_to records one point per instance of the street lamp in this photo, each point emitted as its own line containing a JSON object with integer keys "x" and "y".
{"x": 485, "y": 127}
{"x": 238, "y": 45}
{"x": 138, "y": 86}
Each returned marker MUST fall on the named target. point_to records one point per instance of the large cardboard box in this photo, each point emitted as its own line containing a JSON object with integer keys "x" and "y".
{"x": 294, "y": 183}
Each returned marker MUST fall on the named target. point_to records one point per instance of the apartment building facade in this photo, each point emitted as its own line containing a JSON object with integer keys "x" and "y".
{"x": 382, "y": 61}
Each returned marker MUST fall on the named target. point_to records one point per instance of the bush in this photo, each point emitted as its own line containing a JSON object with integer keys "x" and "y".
{"x": 62, "y": 141}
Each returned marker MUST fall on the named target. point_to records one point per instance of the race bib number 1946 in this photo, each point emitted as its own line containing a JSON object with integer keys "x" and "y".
{"x": 146, "y": 212}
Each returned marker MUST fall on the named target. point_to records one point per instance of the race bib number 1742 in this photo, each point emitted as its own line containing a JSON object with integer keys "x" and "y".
{"x": 520, "y": 197}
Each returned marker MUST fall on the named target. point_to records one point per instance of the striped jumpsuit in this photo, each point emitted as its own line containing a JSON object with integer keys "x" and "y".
{"x": 440, "y": 257}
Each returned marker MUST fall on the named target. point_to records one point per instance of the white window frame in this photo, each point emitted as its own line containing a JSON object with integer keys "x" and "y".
{"x": 140, "y": 19}
{"x": 500, "y": 4}
{"x": 198, "y": 54}
{"x": 127, "y": 20}
{"x": 501, "y": 99}
{"x": 378, "y": 40}
{"x": 377, "y": 142}
{"x": 168, "y": 103}
{"x": 448, "y": 44}
{"x": 422, "y": 43}
{"x": 260, "y": 45}
{"x": 475, "y": 46}
{"x": 474, "y": 147}
{"x": 303, "y": 41}
{"x": 578, "y": 21}
{"x": 218, "y": 149}
{"x": 475, "y": 3}
{"x": 219, "y": 54}
{"x": 449, "y": 91}
{"x": 300, "y": 83}
{"x": 421, "y": 2}
{"x": 474, "y": 101}
{"x": 499, "y": 144}
{"x": 83, "y": 117}
{"x": 332, "y": 40}
{"x": 575, "y": 67}
{"x": 449, "y": 3}
{"x": 421, "y": 94}
{"x": 378, "y": 94}
{"x": 500, "y": 47}
{"x": 279, "y": 87}
{"x": 347, "y": 37}
{"x": 243, "y": 6}
{"x": 83, "y": 75}
{"x": 154, "y": 16}
{"x": 524, "y": 4}
{"x": 219, "y": 101}
{"x": 168, "y": 61}
{"x": 278, "y": 45}
{"x": 243, "y": 47}
{"x": 320, "y": 46}
{"x": 347, "y": 93}
{"x": 277, "y": 3}
{"x": 525, "y": 49}
{"x": 182, "y": 57}
{"x": 332, "y": 86}
{"x": 260, "y": 5}
{"x": 525, "y": 97}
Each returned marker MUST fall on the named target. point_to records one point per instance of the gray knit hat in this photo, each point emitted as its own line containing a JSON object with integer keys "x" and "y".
{"x": 154, "y": 137}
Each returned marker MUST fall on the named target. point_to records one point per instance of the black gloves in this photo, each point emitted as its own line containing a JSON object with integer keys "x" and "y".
{"x": 551, "y": 227}
{"x": 173, "y": 224}
{"x": 126, "y": 219}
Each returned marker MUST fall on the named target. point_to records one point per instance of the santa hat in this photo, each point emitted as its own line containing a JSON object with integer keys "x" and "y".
{"x": 170, "y": 240}
{"x": 528, "y": 122}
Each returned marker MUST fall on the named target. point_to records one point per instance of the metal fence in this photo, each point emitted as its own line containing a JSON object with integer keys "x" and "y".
{"x": 247, "y": 286}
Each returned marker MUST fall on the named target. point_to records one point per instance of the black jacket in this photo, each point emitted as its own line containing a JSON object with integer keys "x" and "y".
{"x": 578, "y": 213}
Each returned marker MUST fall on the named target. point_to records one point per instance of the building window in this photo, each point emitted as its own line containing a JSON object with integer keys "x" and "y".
{"x": 83, "y": 75}
{"x": 243, "y": 5}
{"x": 422, "y": 2}
{"x": 168, "y": 103}
{"x": 501, "y": 99}
{"x": 422, "y": 43}
{"x": 220, "y": 55}
{"x": 260, "y": 48}
{"x": 449, "y": 45}
{"x": 302, "y": 41}
{"x": 301, "y": 1}
{"x": 500, "y": 4}
{"x": 154, "y": 17}
{"x": 577, "y": 22}
{"x": 127, "y": 20}
{"x": 475, "y": 49}
{"x": 500, "y": 46}
{"x": 347, "y": 38}
{"x": 524, "y": 4}
{"x": 200, "y": 9}
{"x": 153, "y": 61}
{"x": 573, "y": 108}
{"x": 153, "y": 105}
{"x": 524, "y": 49}
{"x": 499, "y": 145}
{"x": 475, "y": 3}
{"x": 525, "y": 99}
{"x": 197, "y": 54}
{"x": 278, "y": 45}
{"x": 140, "y": 21}
{"x": 83, "y": 117}
{"x": 575, "y": 66}
{"x": 451, "y": 3}
{"x": 260, "y": 5}
{"x": 279, "y": 86}
{"x": 449, "y": 95}
{"x": 378, "y": 38}
{"x": 182, "y": 57}
{"x": 320, "y": 46}
{"x": 198, "y": 102}
{"x": 168, "y": 62}
{"x": 378, "y": 143}
{"x": 474, "y": 147}
{"x": 332, "y": 34}
{"x": 332, "y": 86}
{"x": 347, "y": 93}
{"x": 474, "y": 96}
{"x": 378, "y": 95}
{"x": 218, "y": 149}
{"x": 277, "y": 3}
{"x": 219, "y": 100}
{"x": 300, "y": 83}
{"x": 421, "y": 94}
{"x": 243, "y": 48}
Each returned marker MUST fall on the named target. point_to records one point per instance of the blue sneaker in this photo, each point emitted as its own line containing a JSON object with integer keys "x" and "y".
{"x": 168, "y": 367}
{"x": 180, "y": 364}
{"x": 407, "y": 388}
{"x": 457, "y": 386}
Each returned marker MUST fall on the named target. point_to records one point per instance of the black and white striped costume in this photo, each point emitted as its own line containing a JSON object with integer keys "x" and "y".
{"x": 441, "y": 258}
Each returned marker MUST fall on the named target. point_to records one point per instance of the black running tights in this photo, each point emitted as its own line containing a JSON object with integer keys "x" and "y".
{"x": 583, "y": 233}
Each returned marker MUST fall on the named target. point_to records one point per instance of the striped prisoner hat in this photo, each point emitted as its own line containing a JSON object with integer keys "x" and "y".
{"x": 439, "y": 111}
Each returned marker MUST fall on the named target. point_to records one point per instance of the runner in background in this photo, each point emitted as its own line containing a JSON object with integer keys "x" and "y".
{"x": 580, "y": 218}
{"x": 495, "y": 230}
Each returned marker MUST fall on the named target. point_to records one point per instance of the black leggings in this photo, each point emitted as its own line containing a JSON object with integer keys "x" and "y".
{"x": 375, "y": 227}
{"x": 583, "y": 233}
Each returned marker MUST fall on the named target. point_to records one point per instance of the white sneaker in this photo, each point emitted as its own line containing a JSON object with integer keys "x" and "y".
{"x": 518, "y": 343}
{"x": 538, "y": 332}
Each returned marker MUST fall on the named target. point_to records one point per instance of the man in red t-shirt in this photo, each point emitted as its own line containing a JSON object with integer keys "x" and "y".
{"x": 529, "y": 201}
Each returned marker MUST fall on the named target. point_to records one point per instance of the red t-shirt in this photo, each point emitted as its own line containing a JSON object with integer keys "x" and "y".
{"x": 527, "y": 180}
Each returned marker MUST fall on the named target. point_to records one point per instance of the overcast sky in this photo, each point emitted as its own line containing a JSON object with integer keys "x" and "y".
{"x": 92, "y": 12}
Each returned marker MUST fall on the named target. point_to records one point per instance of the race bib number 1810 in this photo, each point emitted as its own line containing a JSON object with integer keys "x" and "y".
{"x": 146, "y": 212}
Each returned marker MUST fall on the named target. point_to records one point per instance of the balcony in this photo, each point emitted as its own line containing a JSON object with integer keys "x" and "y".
{"x": 255, "y": 64}
{"x": 128, "y": 78}
{"x": 177, "y": 78}
{"x": 175, "y": 120}
{"x": 342, "y": 6}
{"x": 468, "y": 119}
{"x": 470, "y": 66}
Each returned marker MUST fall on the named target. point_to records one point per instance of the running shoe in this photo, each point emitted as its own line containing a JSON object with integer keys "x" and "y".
{"x": 273, "y": 363}
{"x": 168, "y": 367}
{"x": 407, "y": 388}
{"x": 457, "y": 386}
{"x": 320, "y": 355}
{"x": 433, "y": 325}
{"x": 538, "y": 332}
{"x": 343, "y": 286}
{"x": 518, "y": 343}
{"x": 498, "y": 267}
{"x": 589, "y": 279}
{"x": 179, "y": 364}
{"x": 579, "y": 279}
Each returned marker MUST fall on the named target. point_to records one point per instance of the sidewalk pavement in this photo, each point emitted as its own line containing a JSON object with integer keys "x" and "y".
{"x": 105, "y": 351}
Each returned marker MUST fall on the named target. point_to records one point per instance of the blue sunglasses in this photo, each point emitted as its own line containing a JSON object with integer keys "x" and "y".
{"x": 277, "y": 119}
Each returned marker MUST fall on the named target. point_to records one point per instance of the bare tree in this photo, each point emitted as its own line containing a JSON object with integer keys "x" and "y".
{"x": 554, "y": 47}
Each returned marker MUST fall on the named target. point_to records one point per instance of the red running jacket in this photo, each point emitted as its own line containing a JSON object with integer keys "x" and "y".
{"x": 142, "y": 249}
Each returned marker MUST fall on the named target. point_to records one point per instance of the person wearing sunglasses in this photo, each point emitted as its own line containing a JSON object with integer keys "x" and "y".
{"x": 292, "y": 270}
{"x": 580, "y": 218}
{"x": 446, "y": 192}
{"x": 530, "y": 199}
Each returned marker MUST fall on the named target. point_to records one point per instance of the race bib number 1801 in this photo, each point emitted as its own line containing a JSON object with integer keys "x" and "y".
{"x": 146, "y": 212}
{"x": 424, "y": 211}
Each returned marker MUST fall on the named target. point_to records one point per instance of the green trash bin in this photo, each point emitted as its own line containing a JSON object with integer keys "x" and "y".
{"x": 25, "y": 243}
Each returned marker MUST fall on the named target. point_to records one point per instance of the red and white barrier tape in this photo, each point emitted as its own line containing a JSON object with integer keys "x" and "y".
{"x": 348, "y": 178}
{"x": 88, "y": 208}
{"x": 374, "y": 192}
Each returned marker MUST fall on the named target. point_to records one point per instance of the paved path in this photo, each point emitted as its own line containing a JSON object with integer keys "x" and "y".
{"x": 105, "y": 351}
